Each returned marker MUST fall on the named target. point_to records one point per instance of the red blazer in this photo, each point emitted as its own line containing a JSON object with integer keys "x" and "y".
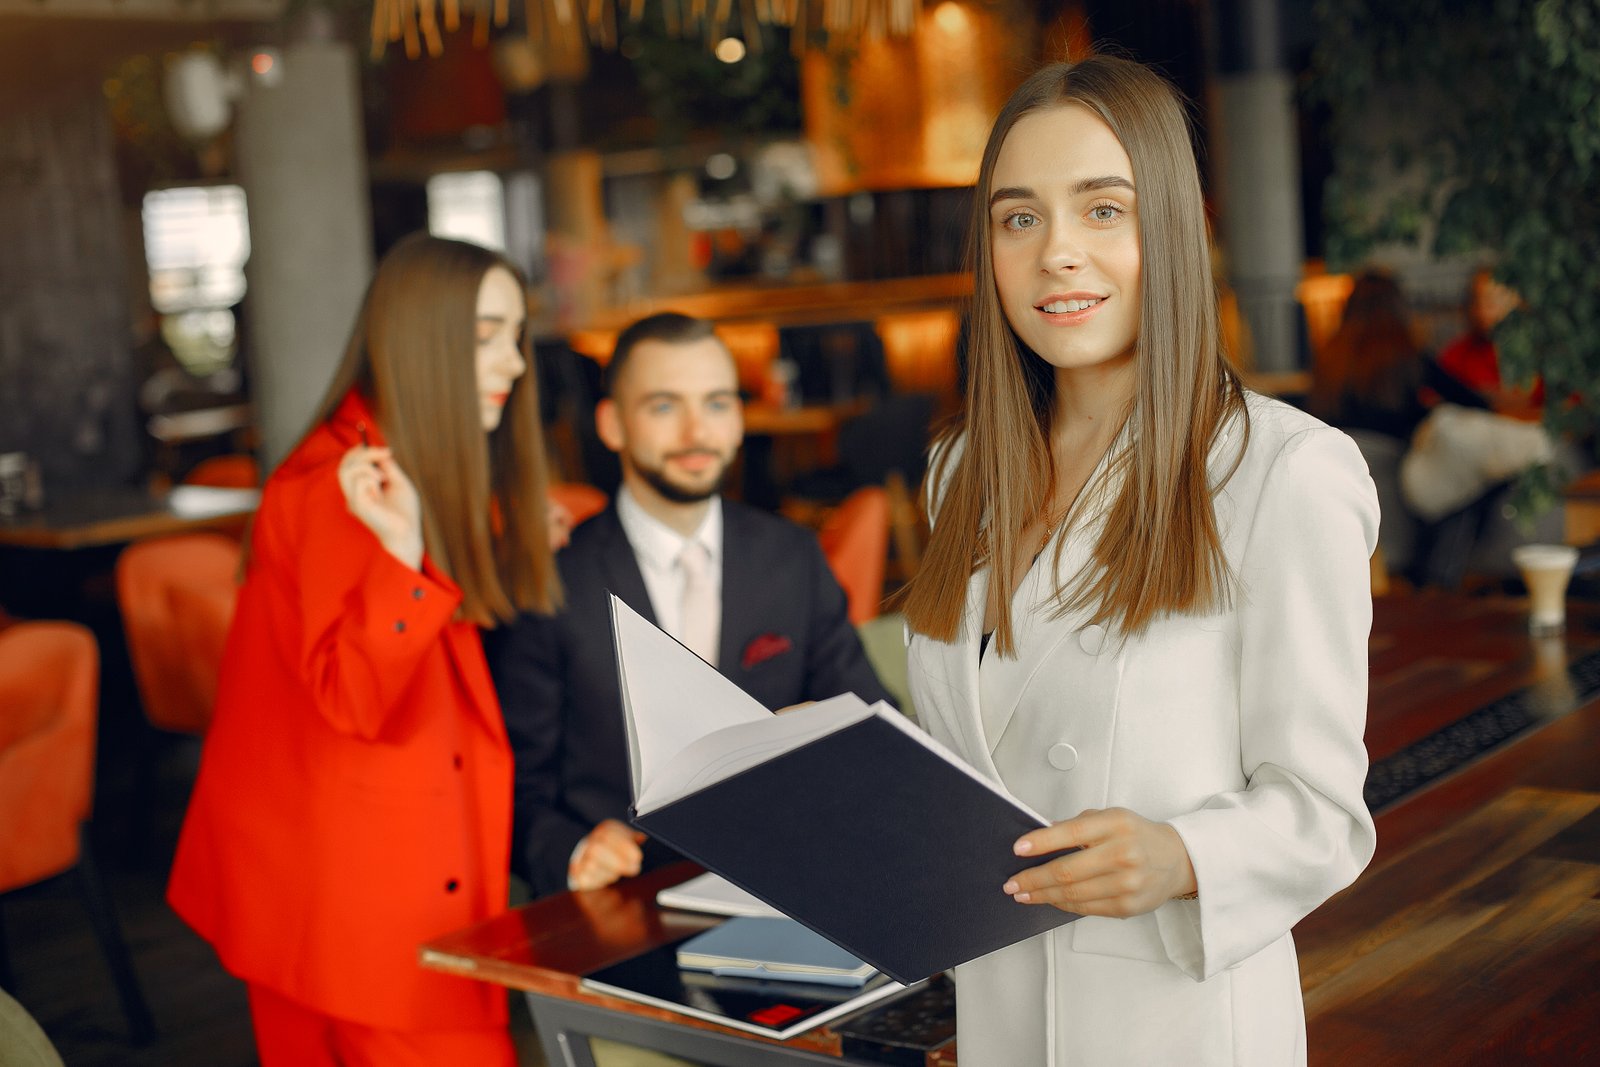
{"x": 354, "y": 795}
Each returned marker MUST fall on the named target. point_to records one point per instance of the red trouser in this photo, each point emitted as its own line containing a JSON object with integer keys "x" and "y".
{"x": 291, "y": 1035}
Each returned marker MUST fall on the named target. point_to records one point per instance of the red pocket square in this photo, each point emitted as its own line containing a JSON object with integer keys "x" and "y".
{"x": 760, "y": 649}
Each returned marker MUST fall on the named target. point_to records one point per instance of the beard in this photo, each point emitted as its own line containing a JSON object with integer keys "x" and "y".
{"x": 657, "y": 479}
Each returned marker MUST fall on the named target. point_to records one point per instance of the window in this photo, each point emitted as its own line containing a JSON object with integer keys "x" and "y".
{"x": 469, "y": 206}
{"x": 196, "y": 243}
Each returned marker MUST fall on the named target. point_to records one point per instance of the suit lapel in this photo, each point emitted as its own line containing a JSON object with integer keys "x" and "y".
{"x": 1002, "y": 680}
{"x": 738, "y": 574}
{"x": 952, "y": 669}
{"x": 619, "y": 566}
{"x": 1033, "y": 606}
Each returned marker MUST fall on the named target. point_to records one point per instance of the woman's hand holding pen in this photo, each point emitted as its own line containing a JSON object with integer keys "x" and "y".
{"x": 378, "y": 493}
{"x": 1123, "y": 865}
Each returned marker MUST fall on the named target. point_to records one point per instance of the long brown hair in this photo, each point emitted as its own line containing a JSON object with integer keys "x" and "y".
{"x": 1160, "y": 551}
{"x": 412, "y": 355}
{"x": 1373, "y": 356}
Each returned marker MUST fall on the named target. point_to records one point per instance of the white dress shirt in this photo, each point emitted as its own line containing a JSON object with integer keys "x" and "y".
{"x": 657, "y": 547}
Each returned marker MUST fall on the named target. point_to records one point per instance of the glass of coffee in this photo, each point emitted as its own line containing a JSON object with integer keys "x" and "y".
{"x": 1546, "y": 570}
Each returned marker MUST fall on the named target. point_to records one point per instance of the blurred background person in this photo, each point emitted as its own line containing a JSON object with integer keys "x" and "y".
{"x": 1472, "y": 359}
{"x": 1373, "y": 374}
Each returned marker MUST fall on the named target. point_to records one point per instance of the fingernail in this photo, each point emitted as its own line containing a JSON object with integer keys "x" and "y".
{"x": 1023, "y": 847}
{"x": 1021, "y": 898}
{"x": 1009, "y": 887}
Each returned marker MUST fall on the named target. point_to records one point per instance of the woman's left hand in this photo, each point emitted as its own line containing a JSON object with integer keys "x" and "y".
{"x": 1122, "y": 864}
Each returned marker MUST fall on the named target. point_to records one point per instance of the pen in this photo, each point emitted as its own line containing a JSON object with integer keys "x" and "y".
{"x": 361, "y": 428}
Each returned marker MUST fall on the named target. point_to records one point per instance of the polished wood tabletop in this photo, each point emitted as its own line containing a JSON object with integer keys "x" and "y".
{"x": 108, "y": 516}
{"x": 547, "y": 946}
{"x": 1474, "y": 937}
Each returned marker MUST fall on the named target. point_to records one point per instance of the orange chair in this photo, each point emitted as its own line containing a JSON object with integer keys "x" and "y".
{"x": 49, "y": 687}
{"x": 855, "y": 539}
{"x": 580, "y": 499}
{"x": 177, "y": 595}
{"x": 236, "y": 470}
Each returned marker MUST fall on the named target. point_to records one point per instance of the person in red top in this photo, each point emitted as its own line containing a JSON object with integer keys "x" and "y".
{"x": 354, "y": 794}
{"x": 1472, "y": 359}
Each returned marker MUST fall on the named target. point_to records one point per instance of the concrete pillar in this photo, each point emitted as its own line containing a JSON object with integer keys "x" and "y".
{"x": 1257, "y": 176}
{"x": 302, "y": 162}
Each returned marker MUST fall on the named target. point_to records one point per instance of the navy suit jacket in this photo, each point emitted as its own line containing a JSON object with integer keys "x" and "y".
{"x": 786, "y": 638}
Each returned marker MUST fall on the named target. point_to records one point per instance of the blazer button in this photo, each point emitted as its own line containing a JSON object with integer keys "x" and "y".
{"x": 1062, "y": 756}
{"x": 416, "y": 594}
{"x": 1092, "y": 638}
{"x": 451, "y": 886}
{"x": 399, "y": 626}
{"x": 456, "y": 760}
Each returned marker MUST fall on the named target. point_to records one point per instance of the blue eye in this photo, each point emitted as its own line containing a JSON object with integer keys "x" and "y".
{"x": 1020, "y": 220}
{"x": 1105, "y": 212}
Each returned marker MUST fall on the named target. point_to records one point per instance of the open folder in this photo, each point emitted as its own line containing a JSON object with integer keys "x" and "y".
{"x": 842, "y": 815}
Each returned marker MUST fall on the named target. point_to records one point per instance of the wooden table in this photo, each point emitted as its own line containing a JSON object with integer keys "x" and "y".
{"x": 545, "y": 947}
{"x": 1473, "y": 938}
{"x": 1475, "y": 935}
{"x": 119, "y": 515}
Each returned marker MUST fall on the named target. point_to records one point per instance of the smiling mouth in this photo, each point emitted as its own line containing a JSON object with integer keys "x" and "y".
{"x": 1068, "y": 307}
{"x": 696, "y": 461}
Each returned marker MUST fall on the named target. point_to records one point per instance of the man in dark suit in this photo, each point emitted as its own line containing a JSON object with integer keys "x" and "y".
{"x": 751, "y": 592}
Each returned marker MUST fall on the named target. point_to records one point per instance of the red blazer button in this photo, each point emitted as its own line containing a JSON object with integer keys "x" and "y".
{"x": 451, "y": 886}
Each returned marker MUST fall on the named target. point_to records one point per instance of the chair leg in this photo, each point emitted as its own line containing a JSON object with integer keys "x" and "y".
{"x": 108, "y": 931}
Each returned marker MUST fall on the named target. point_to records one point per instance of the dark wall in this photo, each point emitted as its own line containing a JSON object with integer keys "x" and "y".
{"x": 66, "y": 376}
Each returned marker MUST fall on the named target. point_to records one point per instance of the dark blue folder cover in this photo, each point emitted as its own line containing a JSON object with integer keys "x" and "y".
{"x": 874, "y": 841}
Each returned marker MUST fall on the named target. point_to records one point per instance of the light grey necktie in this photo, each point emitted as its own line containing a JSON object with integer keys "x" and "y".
{"x": 701, "y": 615}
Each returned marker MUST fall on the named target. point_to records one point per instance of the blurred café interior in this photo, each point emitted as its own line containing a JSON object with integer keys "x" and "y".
{"x": 192, "y": 197}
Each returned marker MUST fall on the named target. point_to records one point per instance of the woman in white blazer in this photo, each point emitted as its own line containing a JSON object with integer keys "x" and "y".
{"x": 1144, "y": 607}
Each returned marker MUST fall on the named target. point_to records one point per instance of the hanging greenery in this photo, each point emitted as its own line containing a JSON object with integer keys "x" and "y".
{"x": 1474, "y": 126}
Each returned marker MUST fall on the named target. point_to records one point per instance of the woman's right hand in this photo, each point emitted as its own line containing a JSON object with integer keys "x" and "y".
{"x": 378, "y": 493}
{"x": 611, "y": 851}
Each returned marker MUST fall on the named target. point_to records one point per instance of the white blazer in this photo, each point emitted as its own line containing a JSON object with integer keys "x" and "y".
{"x": 1242, "y": 729}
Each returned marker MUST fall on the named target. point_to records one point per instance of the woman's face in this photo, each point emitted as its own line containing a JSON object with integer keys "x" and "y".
{"x": 1064, "y": 237}
{"x": 501, "y": 313}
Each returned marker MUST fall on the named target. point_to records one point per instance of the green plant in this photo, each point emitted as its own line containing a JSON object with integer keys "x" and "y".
{"x": 1474, "y": 126}
{"x": 689, "y": 89}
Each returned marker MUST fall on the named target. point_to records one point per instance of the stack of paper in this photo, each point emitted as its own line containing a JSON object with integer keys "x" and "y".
{"x": 714, "y": 895}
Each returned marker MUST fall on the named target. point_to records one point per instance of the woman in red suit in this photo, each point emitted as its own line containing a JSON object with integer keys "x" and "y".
{"x": 354, "y": 796}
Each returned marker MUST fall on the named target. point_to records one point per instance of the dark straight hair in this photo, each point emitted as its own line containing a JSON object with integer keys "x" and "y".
{"x": 669, "y": 327}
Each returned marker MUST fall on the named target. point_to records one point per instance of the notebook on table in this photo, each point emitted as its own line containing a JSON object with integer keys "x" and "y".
{"x": 778, "y": 949}
{"x": 778, "y": 1010}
